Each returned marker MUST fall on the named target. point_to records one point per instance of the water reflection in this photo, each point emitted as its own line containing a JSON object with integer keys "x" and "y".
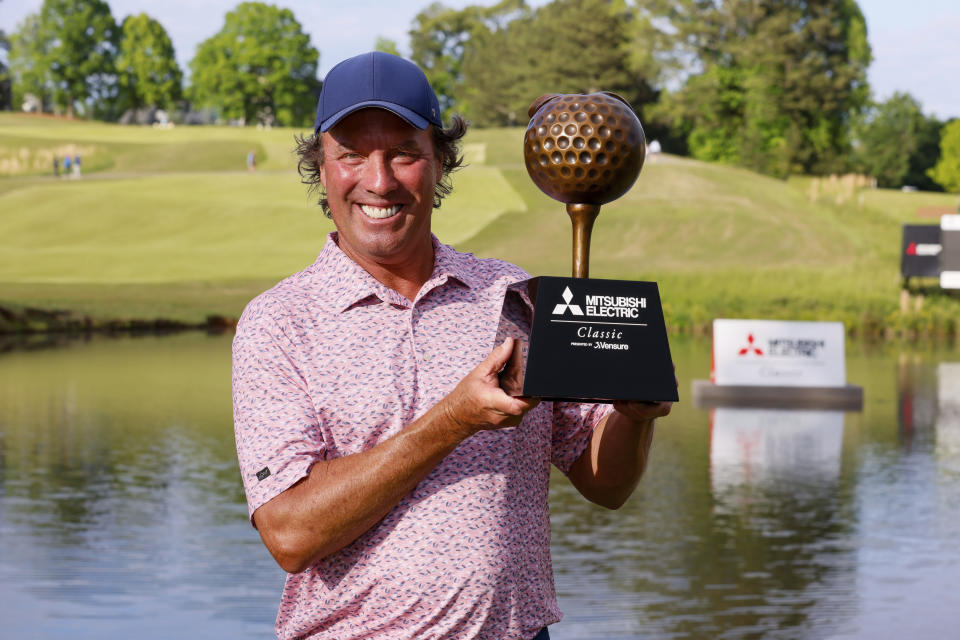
{"x": 121, "y": 505}
{"x": 122, "y": 513}
{"x": 765, "y": 552}
{"x": 948, "y": 411}
{"x": 757, "y": 447}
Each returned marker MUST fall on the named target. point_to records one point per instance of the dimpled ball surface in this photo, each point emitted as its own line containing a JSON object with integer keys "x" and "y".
{"x": 584, "y": 149}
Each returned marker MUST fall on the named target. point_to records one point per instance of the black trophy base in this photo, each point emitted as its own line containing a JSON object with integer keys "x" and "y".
{"x": 586, "y": 339}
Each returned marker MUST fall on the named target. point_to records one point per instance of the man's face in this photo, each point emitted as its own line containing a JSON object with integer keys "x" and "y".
{"x": 379, "y": 173}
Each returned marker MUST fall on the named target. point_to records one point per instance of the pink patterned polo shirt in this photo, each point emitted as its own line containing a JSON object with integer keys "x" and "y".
{"x": 330, "y": 362}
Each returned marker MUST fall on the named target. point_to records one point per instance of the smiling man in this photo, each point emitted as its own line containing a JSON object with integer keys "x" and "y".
{"x": 402, "y": 490}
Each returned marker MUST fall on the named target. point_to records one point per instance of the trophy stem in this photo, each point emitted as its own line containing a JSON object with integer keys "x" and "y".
{"x": 582, "y": 216}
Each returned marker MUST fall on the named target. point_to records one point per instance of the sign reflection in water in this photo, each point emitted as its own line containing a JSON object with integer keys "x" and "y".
{"x": 948, "y": 410}
{"x": 757, "y": 447}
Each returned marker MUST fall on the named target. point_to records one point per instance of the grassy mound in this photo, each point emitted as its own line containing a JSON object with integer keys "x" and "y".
{"x": 168, "y": 223}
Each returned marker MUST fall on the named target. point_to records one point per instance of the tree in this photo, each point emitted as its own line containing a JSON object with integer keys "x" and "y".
{"x": 439, "y": 38}
{"x": 5, "y": 95}
{"x": 888, "y": 137}
{"x": 386, "y": 45}
{"x": 567, "y": 46}
{"x": 147, "y": 69}
{"x": 925, "y": 156}
{"x": 259, "y": 67}
{"x": 490, "y": 63}
{"x": 776, "y": 83}
{"x": 947, "y": 170}
{"x": 29, "y": 72}
{"x": 77, "y": 43}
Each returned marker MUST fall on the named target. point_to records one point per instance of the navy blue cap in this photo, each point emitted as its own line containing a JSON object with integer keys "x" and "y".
{"x": 377, "y": 79}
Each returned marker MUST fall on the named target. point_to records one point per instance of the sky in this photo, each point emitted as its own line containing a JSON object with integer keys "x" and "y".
{"x": 916, "y": 48}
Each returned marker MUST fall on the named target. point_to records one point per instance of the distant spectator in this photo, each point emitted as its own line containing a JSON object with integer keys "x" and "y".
{"x": 251, "y": 160}
{"x": 56, "y": 167}
{"x": 66, "y": 166}
{"x": 76, "y": 166}
{"x": 653, "y": 149}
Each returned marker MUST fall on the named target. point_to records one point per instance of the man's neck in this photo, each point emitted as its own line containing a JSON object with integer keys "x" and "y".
{"x": 405, "y": 277}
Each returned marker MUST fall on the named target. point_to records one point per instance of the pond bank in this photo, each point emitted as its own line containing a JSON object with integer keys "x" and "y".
{"x": 32, "y": 320}
{"x": 912, "y": 322}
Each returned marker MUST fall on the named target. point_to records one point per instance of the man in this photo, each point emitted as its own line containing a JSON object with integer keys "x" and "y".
{"x": 401, "y": 488}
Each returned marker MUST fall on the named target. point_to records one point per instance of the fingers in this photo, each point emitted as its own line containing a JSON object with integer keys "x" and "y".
{"x": 478, "y": 400}
{"x": 641, "y": 411}
{"x": 518, "y": 406}
{"x": 494, "y": 362}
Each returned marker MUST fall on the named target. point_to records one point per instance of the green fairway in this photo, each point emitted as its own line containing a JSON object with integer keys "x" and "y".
{"x": 166, "y": 222}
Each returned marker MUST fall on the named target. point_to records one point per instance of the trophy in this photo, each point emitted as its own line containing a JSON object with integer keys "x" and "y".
{"x": 581, "y": 338}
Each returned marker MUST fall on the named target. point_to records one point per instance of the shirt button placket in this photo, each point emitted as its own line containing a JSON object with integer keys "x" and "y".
{"x": 420, "y": 356}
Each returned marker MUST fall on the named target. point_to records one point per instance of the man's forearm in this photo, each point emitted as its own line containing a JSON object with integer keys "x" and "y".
{"x": 609, "y": 469}
{"x": 342, "y": 498}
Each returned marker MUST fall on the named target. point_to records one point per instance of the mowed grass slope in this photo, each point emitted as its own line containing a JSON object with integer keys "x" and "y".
{"x": 171, "y": 225}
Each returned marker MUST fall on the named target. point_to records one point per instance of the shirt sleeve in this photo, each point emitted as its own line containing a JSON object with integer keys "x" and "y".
{"x": 573, "y": 424}
{"x": 274, "y": 420}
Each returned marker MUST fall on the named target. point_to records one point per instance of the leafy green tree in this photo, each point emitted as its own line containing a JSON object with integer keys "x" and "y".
{"x": 78, "y": 40}
{"x": 259, "y": 67}
{"x": 5, "y": 96}
{"x": 29, "y": 72}
{"x": 490, "y": 63}
{"x": 386, "y": 45}
{"x": 947, "y": 170}
{"x": 440, "y": 36}
{"x": 776, "y": 85}
{"x": 888, "y": 137}
{"x": 147, "y": 69}
{"x": 925, "y": 156}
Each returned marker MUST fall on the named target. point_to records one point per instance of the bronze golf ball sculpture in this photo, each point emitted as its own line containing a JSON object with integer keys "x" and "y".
{"x": 585, "y": 151}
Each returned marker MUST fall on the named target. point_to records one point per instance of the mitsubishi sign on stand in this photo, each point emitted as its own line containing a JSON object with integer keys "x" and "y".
{"x": 778, "y": 364}
{"x": 778, "y": 353}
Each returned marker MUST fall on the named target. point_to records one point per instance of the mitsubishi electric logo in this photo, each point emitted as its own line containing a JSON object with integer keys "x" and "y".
{"x": 784, "y": 347}
{"x": 560, "y": 309}
{"x": 601, "y": 307}
{"x": 750, "y": 348}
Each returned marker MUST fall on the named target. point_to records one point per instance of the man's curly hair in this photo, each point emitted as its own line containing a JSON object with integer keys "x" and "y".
{"x": 446, "y": 144}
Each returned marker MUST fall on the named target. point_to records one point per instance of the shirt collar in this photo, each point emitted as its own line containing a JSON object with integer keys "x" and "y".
{"x": 347, "y": 283}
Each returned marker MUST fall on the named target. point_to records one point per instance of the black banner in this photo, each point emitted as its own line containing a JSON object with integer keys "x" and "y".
{"x": 920, "y": 251}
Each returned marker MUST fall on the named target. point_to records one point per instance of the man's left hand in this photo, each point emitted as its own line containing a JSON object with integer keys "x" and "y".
{"x": 640, "y": 412}
{"x": 644, "y": 412}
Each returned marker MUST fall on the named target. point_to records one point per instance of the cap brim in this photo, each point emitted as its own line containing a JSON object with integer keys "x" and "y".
{"x": 411, "y": 117}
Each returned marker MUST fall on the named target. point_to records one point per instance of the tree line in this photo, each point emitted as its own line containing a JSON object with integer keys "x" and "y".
{"x": 777, "y": 86}
{"x": 72, "y": 55}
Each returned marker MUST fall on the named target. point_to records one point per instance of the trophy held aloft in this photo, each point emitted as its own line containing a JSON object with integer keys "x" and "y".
{"x": 583, "y": 338}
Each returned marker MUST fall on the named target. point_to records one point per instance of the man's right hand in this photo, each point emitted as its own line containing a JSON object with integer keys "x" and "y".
{"x": 479, "y": 403}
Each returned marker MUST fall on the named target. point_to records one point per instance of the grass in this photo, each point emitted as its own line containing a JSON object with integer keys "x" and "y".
{"x": 167, "y": 223}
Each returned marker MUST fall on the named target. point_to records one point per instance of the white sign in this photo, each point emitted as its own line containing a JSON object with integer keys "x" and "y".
{"x": 950, "y": 279}
{"x": 950, "y": 222}
{"x": 778, "y": 353}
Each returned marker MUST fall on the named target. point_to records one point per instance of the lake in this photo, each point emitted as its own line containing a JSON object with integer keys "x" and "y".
{"x": 122, "y": 513}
